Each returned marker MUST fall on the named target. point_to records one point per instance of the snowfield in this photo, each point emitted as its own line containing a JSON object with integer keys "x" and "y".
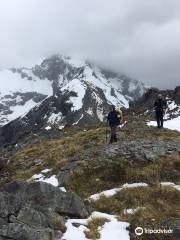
{"x": 13, "y": 82}
{"x": 20, "y": 110}
{"x": 173, "y": 124}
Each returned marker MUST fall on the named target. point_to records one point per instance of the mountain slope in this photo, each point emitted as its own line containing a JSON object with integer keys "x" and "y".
{"x": 61, "y": 91}
{"x": 136, "y": 179}
{"x": 92, "y": 88}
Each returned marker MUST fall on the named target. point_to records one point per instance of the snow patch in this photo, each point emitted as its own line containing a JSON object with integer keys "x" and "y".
{"x": 78, "y": 120}
{"x": 55, "y": 118}
{"x": 113, "y": 229}
{"x": 41, "y": 178}
{"x": 48, "y": 128}
{"x": 170, "y": 184}
{"x": 20, "y": 110}
{"x": 112, "y": 192}
{"x": 62, "y": 189}
{"x": 173, "y": 124}
{"x": 79, "y": 88}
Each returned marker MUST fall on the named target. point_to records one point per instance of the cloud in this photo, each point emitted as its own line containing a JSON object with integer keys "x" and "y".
{"x": 136, "y": 37}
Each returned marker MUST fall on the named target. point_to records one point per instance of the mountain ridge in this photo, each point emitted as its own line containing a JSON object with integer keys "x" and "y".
{"x": 57, "y": 75}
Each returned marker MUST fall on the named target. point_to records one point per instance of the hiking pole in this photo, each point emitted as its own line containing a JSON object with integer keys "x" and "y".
{"x": 106, "y": 134}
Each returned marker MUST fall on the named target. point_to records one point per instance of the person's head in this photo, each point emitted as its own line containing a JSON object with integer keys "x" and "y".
{"x": 159, "y": 96}
{"x": 112, "y": 107}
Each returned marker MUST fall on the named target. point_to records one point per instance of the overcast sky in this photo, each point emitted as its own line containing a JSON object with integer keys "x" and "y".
{"x": 138, "y": 37}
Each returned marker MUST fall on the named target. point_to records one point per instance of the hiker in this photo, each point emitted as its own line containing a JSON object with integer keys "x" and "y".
{"x": 160, "y": 105}
{"x": 114, "y": 119}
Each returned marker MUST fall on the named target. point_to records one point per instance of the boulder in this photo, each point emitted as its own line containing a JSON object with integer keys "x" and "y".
{"x": 35, "y": 211}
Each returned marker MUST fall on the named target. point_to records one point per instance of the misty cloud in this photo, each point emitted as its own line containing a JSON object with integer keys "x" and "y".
{"x": 136, "y": 37}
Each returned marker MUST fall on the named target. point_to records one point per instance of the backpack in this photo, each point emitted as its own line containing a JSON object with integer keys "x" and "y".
{"x": 120, "y": 115}
{"x": 115, "y": 117}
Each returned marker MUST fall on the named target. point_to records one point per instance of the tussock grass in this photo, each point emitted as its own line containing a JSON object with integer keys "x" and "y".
{"x": 93, "y": 227}
{"x": 58, "y": 224}
{"x": 54, "y": 153}
{"x": 120, "y": 171}
{"x": 158, "y": 207}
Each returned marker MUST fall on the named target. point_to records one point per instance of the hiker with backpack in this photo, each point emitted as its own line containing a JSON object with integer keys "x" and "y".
{"x": 114, "y": 119}
{"x": 160, "y": 105}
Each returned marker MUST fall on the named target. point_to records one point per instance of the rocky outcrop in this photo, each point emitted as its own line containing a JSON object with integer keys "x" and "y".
{"x": 140, "y": 150}
{"x": 36, "y": 211}
{"x": 135, "y": 150}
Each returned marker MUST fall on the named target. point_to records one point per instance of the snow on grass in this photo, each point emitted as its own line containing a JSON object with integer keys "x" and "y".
{"x": 112, "y": 192}
{"x": 113, "y": 229}
{"x": 46, "y": 170}
{"x": 170, "y": 184}
{"x": 173, "y": 124}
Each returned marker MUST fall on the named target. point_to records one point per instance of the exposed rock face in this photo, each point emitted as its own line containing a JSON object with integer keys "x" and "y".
{"x": 33, "y": 211}
{"x": 141, "y": 150}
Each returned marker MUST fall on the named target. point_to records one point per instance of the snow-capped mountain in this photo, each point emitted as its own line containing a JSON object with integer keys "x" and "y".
{"x": 90, "y": 89}
{"x": 20, "y": 91}
{"x": 63, "y": 91}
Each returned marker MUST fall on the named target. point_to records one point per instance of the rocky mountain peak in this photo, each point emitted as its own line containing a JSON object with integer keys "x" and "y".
{"x": 62, "y": 90}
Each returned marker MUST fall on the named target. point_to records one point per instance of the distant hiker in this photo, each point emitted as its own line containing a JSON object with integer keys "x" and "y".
{"x": 114, "y": 119}
{"x": 160, "y": 105}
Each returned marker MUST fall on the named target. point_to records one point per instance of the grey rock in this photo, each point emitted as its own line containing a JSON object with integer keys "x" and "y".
{"x": 176, "y": 230}
{"x": 42, "y": 194}
{"x": 76, "y": 224}
{"x": 38, "y": 162}
{"x": 140, "y": 150}
{"x": 64, "y": 174}
{"x": 9, "y": 205}
{"x": 23, "y": 232}
{"x": 32, "y": 217}
{"x": 63, "y": 178}
{"x": 32, "y": 211}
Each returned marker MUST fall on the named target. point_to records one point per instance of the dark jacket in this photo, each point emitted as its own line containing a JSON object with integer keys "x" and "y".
{"x": 114, "y": 118}
{"x": 159, "y": 106}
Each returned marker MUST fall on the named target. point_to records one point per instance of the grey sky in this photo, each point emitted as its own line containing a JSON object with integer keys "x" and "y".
{"x": 138, "y": 37}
